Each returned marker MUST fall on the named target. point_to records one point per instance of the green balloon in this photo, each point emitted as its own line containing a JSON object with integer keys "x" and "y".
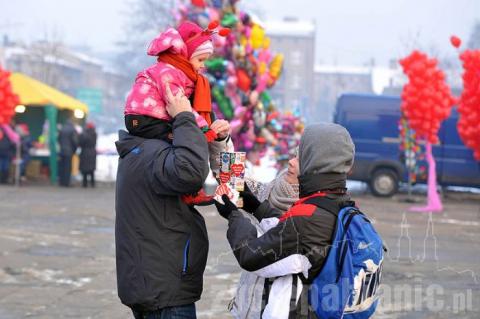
{"x": 215, "y": 64}
{"x": 265, "y": 97}
{"x": 224, "y": 103}
{"x": 229, "y": 20}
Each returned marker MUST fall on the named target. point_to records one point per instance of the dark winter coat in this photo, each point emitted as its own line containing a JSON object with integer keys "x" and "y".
{"x": 7, "y": 147}
{"x": 161, "y": 243}
{"x": 305, "y": 230}
{"x": 88, "y": 154}
{"x": 68, "y": 139}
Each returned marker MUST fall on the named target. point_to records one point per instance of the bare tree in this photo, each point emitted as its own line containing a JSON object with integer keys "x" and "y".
{"x": 45, "y": 57}
{"x": 474, "y": 41}
{"x": 145, "y": 19}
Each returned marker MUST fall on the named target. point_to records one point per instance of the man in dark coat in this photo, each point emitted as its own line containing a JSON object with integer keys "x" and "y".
{"x": 68, "y": 140}
{"x": 7, "y": 151}
{"x": 326, "y": 154}
{"x": 88, "y": 154}
{"x": 161, "y": 243}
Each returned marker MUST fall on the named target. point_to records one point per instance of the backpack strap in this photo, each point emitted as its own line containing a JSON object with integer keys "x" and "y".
{"x": 341, "y": 260}
{"x": 334, "y": 208}
{"x": 328, "y": 204}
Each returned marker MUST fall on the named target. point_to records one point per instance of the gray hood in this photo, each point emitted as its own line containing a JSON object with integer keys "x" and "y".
{"x": 325, "y": 148}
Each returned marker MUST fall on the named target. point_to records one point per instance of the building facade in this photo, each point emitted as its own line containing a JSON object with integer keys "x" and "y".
{"x": 331, "y": 82}
{"x": 296, "y": 41}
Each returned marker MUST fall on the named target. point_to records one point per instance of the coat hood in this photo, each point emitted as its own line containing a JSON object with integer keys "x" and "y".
{"x": 326, "y": 155}
{"x": 326, "y": 148}
{"x": 126, "y": 143}
{"x": 169, "y": 40}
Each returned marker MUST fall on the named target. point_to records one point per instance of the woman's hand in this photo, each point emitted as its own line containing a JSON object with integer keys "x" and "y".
{"x": 226, "y": 208}
{"x": 176, "y": 103}
{"x": 221, "y": 127}
{"x": 250, "y": 201}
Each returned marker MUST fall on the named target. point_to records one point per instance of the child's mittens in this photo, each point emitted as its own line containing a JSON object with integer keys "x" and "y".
{"x": 210, "y": 135}
{"x": 200, "y": 199}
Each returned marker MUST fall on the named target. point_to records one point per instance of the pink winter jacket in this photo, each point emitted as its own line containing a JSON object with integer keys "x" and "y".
{"x": 148, "y": 94}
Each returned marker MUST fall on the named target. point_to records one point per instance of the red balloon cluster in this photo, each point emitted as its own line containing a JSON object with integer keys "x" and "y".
{"x": 426, "y": 98}
{"x": 469, "y": 105}
{"x": 8, "y": 99}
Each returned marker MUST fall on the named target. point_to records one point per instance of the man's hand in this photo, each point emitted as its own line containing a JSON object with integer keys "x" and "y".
{"x": 176, "y": 103}
{"x": 225, "y": 209}
{"x": 250, "y": 201}
{"x": 221, "y": 127}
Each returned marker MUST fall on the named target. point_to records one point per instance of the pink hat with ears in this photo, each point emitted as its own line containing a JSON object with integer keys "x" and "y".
{"x": 186, "y": 40}
{"x": 194, "y": 36}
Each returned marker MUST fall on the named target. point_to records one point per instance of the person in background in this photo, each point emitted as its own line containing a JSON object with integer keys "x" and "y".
{"x": 88, "y": 154}
{"x": 7, "y": 151}
{"x": 68, "y": 140}
{"x": 26, "y": 144}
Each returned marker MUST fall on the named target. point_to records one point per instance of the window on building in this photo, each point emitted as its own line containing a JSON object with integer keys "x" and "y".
{"x": 296, "y": 58}
{"x": 296, "y": 82}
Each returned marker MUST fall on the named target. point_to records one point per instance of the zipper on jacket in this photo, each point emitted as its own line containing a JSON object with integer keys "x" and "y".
{"x": 185, "y": 256}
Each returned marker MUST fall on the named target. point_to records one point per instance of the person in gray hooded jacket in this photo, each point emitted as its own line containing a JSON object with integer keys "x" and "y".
{"x": 326, "y": 155}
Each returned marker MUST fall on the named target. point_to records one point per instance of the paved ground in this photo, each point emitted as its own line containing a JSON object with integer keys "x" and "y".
{"x": 57, "y": 256}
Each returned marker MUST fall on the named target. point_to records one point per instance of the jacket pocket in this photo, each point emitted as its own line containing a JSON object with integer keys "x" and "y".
{"x": 186, "y": 250}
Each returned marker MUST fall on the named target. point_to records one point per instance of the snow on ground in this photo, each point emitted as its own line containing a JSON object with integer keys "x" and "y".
{"x": 107, "y": 158}
{"x": 107, "y": 162}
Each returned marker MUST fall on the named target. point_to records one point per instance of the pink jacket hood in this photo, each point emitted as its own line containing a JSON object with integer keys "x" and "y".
{"x": 171, "y": 40}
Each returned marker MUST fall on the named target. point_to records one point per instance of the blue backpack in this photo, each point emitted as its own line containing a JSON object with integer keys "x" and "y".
{"x": 347, "y": 285}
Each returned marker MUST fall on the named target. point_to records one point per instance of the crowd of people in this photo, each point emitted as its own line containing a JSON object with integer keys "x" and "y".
{"x": 16, "y": 142}
{"x": 69, "y": 141}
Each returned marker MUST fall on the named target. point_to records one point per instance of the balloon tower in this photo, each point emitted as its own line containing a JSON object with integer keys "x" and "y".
{"x": 426, "y": 102}
{"x": 240, "y": 74}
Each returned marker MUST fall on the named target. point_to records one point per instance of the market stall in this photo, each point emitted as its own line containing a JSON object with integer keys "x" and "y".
{"x": 42, "y": 107}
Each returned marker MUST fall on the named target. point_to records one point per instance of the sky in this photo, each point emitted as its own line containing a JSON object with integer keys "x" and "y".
{"x": 348, "y": 32}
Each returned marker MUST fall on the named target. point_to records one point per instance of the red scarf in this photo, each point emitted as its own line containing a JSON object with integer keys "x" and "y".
{"x": 202, "y": 102}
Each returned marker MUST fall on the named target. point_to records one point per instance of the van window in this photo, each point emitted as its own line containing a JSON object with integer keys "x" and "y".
{"x": 372, "y": 126}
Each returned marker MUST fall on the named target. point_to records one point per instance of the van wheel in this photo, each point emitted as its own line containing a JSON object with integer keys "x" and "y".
{"x": 384, "y": 182}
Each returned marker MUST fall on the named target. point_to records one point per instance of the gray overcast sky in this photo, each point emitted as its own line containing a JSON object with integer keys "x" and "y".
{"x": 348, "y": 31}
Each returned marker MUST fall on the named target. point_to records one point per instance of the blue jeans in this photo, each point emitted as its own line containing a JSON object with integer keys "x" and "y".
{"x": 177, "y": 312}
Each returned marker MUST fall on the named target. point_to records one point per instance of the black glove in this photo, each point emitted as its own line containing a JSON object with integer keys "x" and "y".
{"x": 225, "y": 209}
{"x": 250, "y": 201}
